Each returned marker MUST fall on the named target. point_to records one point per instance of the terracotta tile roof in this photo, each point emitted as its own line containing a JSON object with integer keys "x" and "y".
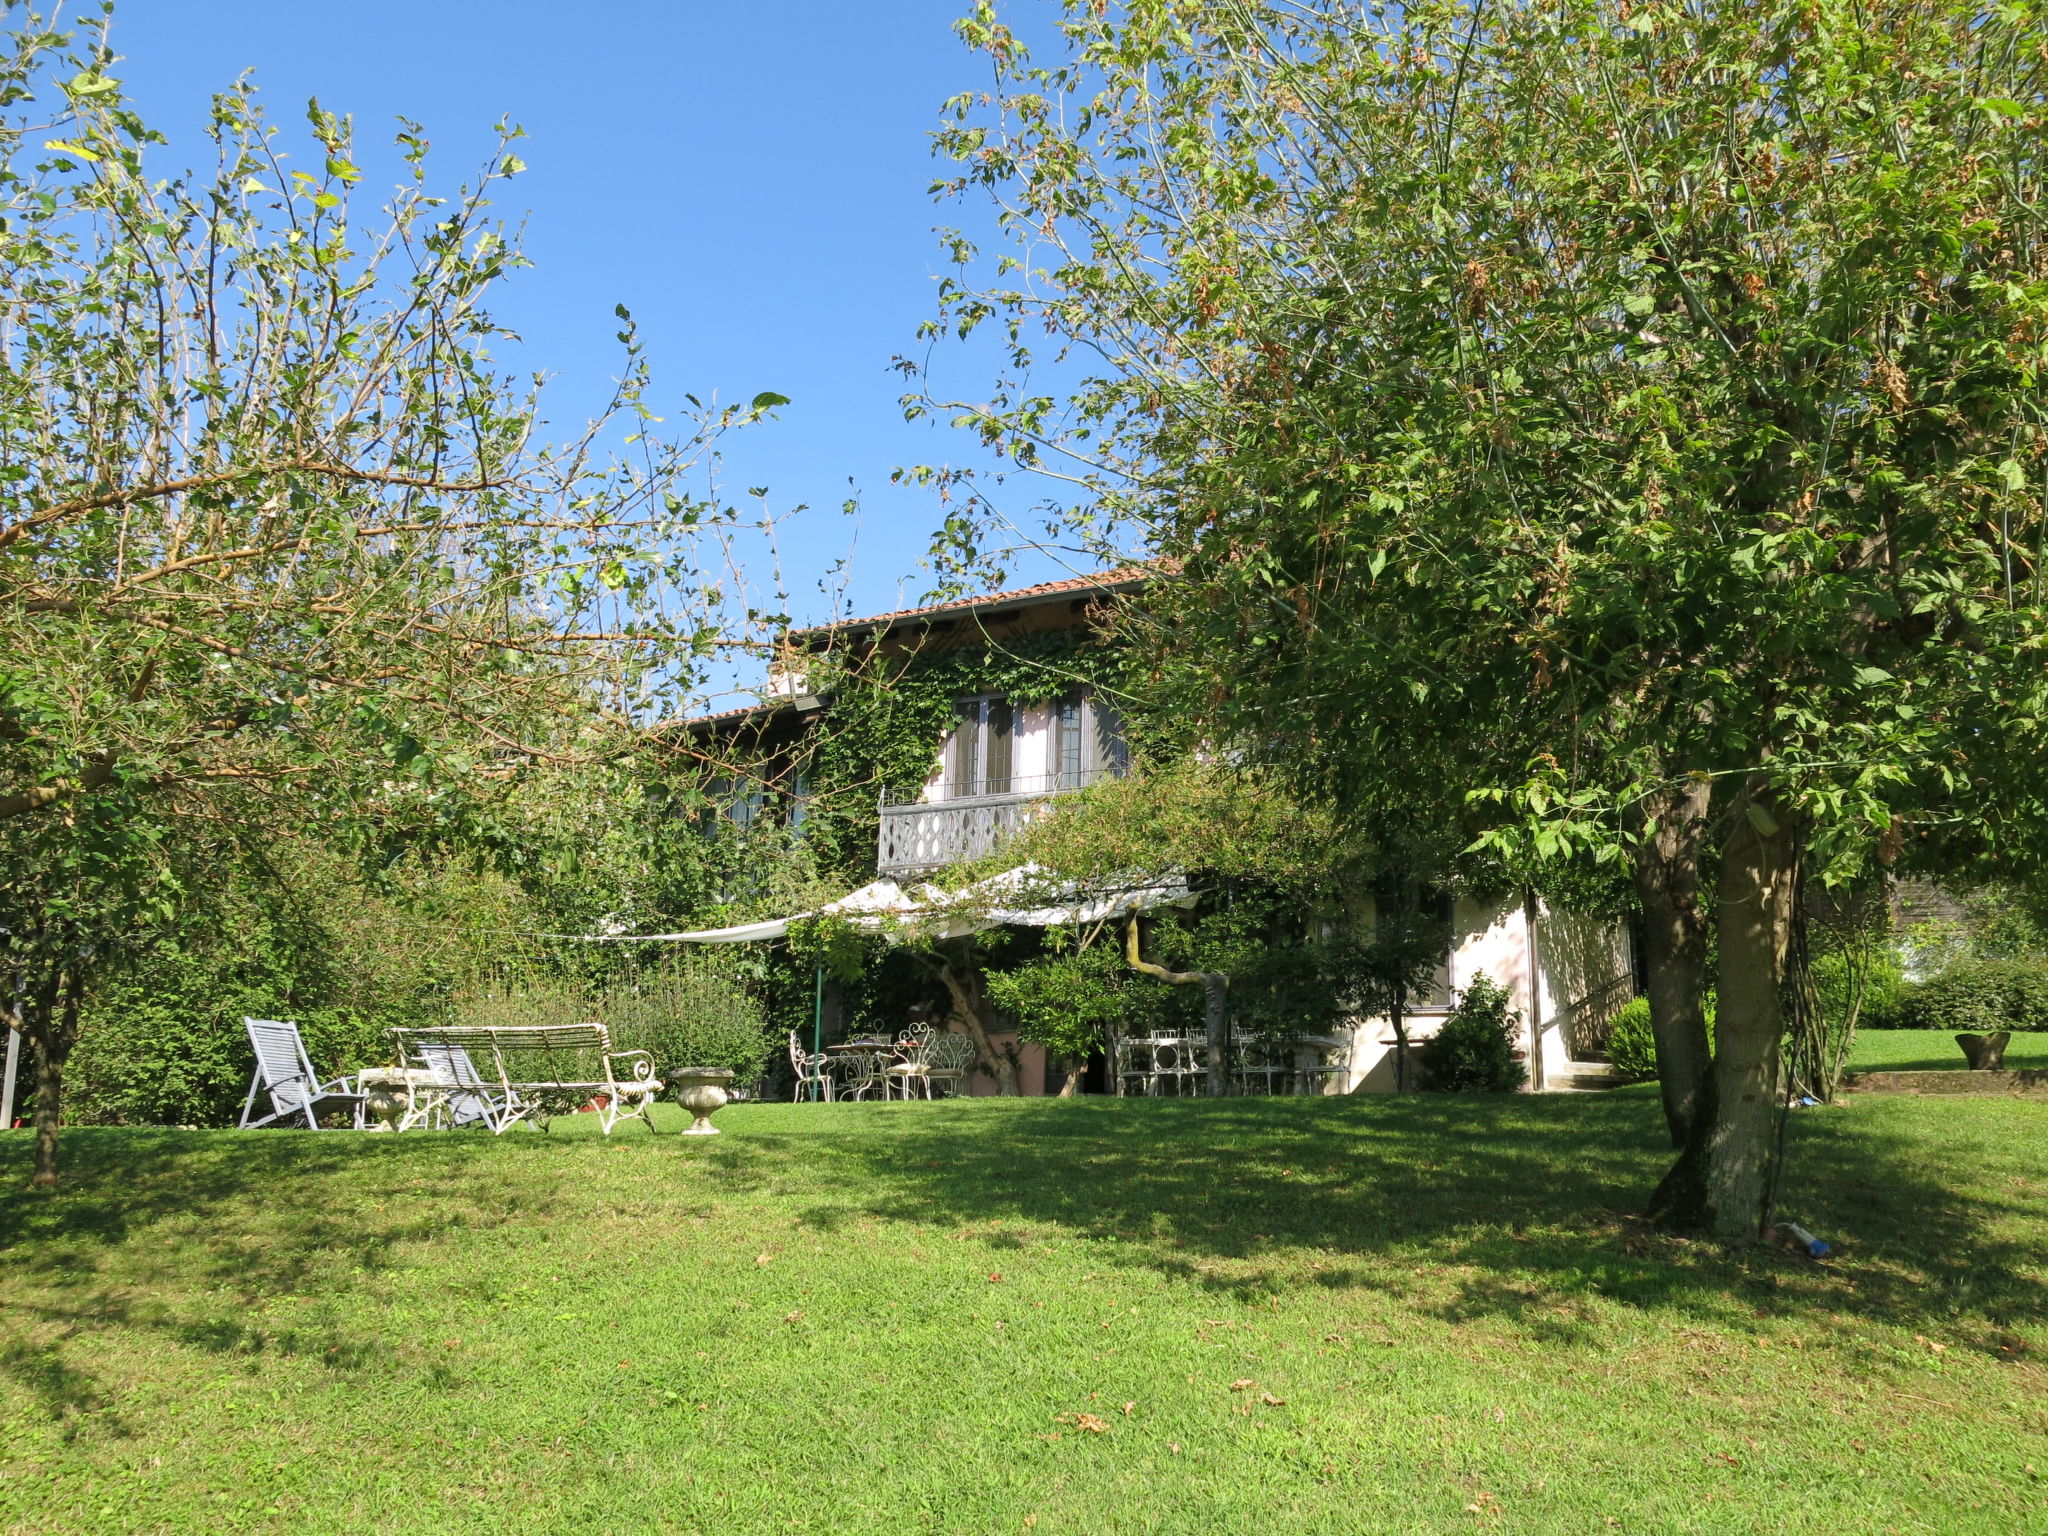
{"x": 1102, "y": 581}
{"x": 781, "y": 703}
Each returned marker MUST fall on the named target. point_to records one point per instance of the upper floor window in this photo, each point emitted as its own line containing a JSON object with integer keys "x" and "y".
{"x": 1088, "y": 740}
{"x": 998, "y": 747}
{"x": 982, "y": 748}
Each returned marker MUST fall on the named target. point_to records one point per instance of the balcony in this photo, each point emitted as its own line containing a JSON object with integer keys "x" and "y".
{"x": 919, "y": 836}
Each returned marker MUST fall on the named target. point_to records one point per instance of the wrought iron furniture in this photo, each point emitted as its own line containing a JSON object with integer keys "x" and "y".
{"x": 862, "y": 1071}
{"x": 1177, "y": 1066}
{"x": 1160, "y": 1066}
{"x": 534, "y": 1072}
{"x": 285, "y": 1073}
{"x": 945, "y": 1063}
{"x": 813, "y": 1072}
{"x": 907, "y": 1071}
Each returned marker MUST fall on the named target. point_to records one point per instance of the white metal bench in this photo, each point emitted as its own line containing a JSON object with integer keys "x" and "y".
{"x": 533, "y": 1072}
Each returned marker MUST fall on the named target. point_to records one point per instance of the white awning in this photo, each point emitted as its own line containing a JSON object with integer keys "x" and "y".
{"x": 1025, "y": 897}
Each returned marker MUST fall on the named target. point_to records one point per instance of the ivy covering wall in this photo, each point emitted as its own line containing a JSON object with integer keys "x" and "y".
{"x": 887, "y": 714}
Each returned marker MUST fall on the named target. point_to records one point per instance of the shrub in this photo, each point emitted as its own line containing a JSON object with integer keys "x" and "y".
{"x": 1632, "y": 1044}
{"x": 1631, "y": 1048}
{"x": 1884, "y": 988}
{"x": 1474, "y": 1052}
{"x": 1979, "y": 996}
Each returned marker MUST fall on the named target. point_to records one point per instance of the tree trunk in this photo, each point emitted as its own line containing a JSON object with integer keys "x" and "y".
{"x": 1077, "y": 1067}
{"x": 1215, "y": 1009}
{"x": 1397, "y": 1015}
{"x": 1533, "y": 955}
{"x": 49, "y": 1019}
{"x": 1002, "y": 1066}
{"x": 1720, "y": 1184}
{"x": 1667, "y": 874}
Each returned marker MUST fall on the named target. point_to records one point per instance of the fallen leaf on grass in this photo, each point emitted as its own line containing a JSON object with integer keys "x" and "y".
{"x": 995, "y": 1279}
{"x": 1127, "y": 1409}
{"x": 1173, "y": 1446}
{"x": 1932, "y": 1347}
{"x": 764, "y": 1258}
{"x": 793, "y": 1317}
{"x": 1241, "y": 1383}
{"x": 1271, "y": 1401}
{"x": 1089, "y": 1422}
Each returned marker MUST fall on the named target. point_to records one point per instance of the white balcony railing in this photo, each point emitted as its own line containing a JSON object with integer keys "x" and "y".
{"x": 922, "y": 835}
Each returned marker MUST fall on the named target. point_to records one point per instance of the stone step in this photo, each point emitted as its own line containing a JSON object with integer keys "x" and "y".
{"x": 1581, "y": 1077}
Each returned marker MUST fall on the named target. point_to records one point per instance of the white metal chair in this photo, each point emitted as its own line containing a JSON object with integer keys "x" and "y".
{"x": 863, "y": 1072}
{"x": 285, "y": 1073}
{"x": 812, "y": 1072}
{"x": 944, "y": 1059}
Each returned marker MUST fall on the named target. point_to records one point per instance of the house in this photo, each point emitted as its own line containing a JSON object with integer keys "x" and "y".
{"x": 991, "y": 717}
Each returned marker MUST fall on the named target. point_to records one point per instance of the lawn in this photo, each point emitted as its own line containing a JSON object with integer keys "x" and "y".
{"x": 1302, "y": 1316}
{"x": 1918, "y": 1050}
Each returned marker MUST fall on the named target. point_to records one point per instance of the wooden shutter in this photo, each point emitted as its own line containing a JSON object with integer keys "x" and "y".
{"x": 1001, "y": 727}
{"x": 965, "y": 769}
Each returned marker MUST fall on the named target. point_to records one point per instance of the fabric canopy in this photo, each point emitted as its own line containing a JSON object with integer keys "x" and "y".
{"x": 1025, "y": 897}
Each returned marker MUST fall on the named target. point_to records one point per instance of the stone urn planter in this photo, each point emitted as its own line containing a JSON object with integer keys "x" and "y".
{"x": 701, "y": 1090}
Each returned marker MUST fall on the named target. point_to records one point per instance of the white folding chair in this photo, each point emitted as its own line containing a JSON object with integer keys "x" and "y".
{"x": 285, "y": 1073}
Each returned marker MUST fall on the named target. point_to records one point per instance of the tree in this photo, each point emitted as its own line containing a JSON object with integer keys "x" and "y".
{"x": 279, "y": 538}
{"x": 1629, "y": 413}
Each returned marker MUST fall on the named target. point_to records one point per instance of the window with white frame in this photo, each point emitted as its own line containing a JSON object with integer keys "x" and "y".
{"x": 1087, "y": 740}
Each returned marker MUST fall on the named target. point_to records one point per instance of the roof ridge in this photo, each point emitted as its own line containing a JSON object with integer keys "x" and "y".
{"x": 1120, "y": 575}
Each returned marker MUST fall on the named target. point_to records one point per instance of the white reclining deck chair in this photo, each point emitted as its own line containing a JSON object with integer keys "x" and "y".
{"x": 286, "y": 1074}
{"x": 472, "y": 1097}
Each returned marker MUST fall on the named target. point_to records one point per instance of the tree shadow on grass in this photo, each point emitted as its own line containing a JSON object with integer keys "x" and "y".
{"x": 69, "y": 1396}
{"x": 240, "y": 1218}
{"x": 1524, "y": 1204}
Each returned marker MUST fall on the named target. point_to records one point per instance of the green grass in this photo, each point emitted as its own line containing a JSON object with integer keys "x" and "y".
{"x": 1934, "y": 1050}
{"x": 1301, "y": 1316}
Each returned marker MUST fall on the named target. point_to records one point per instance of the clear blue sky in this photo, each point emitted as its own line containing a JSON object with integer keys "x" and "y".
{"x": 750, "y": 180}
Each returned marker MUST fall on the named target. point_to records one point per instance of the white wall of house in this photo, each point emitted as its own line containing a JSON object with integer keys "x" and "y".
{"x": 1031, "y": 749}
{"x": 1581, "y": 976}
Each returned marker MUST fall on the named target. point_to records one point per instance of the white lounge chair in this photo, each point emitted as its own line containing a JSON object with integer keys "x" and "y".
{"x": 285, "y": 1073}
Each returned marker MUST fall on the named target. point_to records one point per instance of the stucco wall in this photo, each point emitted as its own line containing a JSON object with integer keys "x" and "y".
{"x": 1578, "y": 958}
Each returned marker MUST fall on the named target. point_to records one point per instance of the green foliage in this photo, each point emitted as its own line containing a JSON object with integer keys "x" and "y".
{"x": 1837, "y": 977}
{"x": 1071, "y": 999}
{"x": 1612, "y": 451}
{"x": 888, "y": 712}
{"x": 1474, "y": 1051}
{"x": 285, "y": 550}
{"x": 1994, "y": 921}
{"x": 1631, "y": 1047}
{"x": 1980, "y": 996}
